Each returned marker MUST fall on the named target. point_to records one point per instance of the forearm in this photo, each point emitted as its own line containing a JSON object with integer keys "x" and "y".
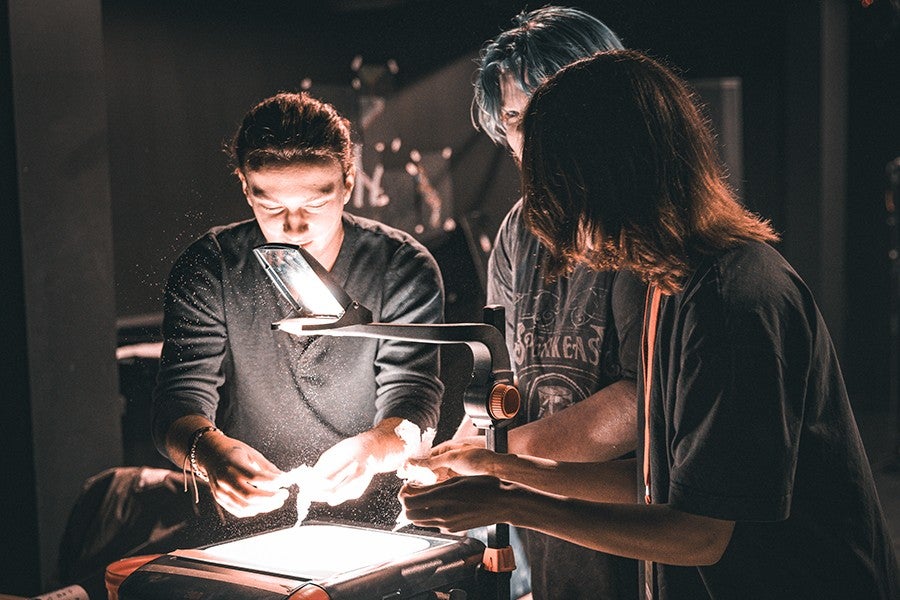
{"x": 612, "y": 481}
{"x": 601, "y": 427}
{"x": 419, "y": 403}
{"x": 656, "y": 533}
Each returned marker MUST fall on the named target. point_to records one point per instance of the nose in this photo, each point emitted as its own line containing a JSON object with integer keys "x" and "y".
{"x": 295, "y": 221}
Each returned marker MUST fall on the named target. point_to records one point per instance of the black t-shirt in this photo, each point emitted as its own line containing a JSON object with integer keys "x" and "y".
{"x": 751, "y": 423}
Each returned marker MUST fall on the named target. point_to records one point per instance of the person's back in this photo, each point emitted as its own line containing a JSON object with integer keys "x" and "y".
{"x": 794, "y": 475}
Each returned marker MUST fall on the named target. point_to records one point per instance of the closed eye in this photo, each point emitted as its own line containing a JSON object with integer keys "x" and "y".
{"x": 270, "y": 208}
{"x": 317, "y": 204}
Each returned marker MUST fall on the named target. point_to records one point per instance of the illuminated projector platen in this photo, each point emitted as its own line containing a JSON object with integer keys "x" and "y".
{"x": 315, "y": 561}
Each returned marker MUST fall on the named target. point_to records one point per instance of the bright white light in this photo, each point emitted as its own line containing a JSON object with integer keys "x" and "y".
{"x": 316, "y": 551}
{"x": 296, "y": 278}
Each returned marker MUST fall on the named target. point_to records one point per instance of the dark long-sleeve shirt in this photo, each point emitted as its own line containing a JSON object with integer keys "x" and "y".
{"x": 293, "y": 397}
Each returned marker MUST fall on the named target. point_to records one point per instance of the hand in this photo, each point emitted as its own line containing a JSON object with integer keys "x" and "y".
{"x": 347, "y": 468}
{"x": 459, "y": 457}
{"x": 457, "y": 504}
{"x": 242, "y": 480}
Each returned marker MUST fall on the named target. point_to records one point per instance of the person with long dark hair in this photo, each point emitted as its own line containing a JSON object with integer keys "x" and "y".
{"x": 754, "y": 482}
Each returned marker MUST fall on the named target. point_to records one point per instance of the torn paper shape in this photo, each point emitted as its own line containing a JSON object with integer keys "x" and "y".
{"x": 308, "y": 483}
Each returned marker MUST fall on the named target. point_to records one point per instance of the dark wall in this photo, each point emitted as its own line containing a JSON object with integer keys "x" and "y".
{"x": 60, "y": 409}
{"x": 15, "y": 410}
{"x": 873, "y": 140}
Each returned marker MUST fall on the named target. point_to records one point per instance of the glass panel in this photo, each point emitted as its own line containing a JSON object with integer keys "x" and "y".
{"x": 298, "y": 282}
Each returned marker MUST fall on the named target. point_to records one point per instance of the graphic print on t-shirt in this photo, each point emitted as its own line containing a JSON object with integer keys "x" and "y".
{"x": 558, "y": 343}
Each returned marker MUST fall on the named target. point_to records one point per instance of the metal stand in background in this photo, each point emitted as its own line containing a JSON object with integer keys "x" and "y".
{"x": 891, "y": 198}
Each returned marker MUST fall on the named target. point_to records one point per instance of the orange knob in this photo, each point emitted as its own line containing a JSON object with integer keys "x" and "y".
{"x": 504, "y": 402}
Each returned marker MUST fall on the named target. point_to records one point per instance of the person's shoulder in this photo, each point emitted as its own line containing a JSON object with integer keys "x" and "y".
{"x": 369, "y": 231}
{"x": 513, "y": 234}
{"x": 745, "y": 278}
{"x": 239, "y": 232}
{"x": 232, "y": 239}
{"x": 517, "y": 210}
{"x": 754, "y": 265}
{"x": 514, "y": 221}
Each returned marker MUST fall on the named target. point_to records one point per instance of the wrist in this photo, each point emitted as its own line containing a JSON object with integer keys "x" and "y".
{"x": 192, "y": 455}
{"x": 387, "y": 447}
{"x": 501, "y": 465}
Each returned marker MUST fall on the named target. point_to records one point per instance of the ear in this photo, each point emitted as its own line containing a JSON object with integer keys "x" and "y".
{"x": 244, "y": 187}
{"x": 349, "y": 180}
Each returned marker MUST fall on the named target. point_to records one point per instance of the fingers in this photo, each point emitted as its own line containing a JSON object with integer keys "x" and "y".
{"x": 458, "y": 444}
{"x": 242, "y": 504}
{"x": 242, "y": 480}
{"x": 463, "y": 460}
{"x": 252, "y": 465}
{"x": 344, "y": 471}
{"x": 439, "y": 507}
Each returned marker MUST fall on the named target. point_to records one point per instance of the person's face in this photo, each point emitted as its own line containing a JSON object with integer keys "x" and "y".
{"x": 512, "y": 108}
{"x": 300, "y": 204}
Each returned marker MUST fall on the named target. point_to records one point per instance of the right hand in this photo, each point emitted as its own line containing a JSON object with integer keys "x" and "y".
{"x": 458, "y": 504}
{"x": 459, "y": 457}
{"x": 241, "y": 479}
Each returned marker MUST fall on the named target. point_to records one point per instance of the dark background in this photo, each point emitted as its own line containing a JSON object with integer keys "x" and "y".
{"x": 114, "y": 115}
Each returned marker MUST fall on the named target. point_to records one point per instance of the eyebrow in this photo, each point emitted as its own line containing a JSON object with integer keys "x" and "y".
{"x": 259, "y": 192}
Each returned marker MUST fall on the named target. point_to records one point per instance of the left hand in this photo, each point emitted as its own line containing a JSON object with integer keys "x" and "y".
{"x": 347, "y": 468}
{"x": 458, "y": 504}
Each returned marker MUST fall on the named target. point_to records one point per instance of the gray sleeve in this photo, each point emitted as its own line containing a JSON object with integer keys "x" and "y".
{"x": 194, "y": 341}
{"x": 501, "y": 271}
{"x": 406, "y": 373}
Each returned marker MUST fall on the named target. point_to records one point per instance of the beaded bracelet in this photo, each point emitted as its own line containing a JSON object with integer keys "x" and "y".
{"x": 191, "y": 457}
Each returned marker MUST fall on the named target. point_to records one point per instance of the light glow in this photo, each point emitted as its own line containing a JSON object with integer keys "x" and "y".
{"x": 315, "y": 551}
{"x": 301, "y": 283}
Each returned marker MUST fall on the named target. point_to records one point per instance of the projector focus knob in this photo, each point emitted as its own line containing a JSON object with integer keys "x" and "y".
{"x": 504, "y": 402}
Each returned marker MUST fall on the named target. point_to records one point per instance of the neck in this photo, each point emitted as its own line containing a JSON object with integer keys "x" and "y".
{"x": 328, "y": 254}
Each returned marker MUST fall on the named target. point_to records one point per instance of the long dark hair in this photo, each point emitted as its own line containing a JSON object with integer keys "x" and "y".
{"x": 619, "y": 170}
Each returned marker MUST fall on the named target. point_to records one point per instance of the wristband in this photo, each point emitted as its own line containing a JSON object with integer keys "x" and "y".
{"x": 192, "y": 453}
{"x": 191, "y": 457}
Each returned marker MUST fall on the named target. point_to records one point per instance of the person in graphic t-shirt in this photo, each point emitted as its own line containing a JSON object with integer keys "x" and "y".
{"x": 573, "y": 336}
